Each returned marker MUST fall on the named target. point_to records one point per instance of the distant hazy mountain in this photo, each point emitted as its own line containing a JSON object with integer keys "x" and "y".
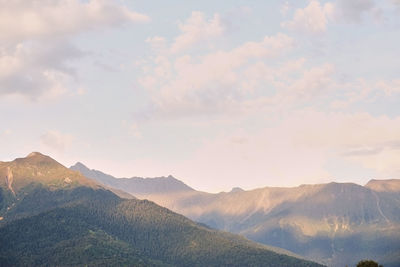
{"x": 135, "y": 185}
{"x": 53, "y": 216}
{"x": 335, "y": 223}
{"x": 392, "y": 185}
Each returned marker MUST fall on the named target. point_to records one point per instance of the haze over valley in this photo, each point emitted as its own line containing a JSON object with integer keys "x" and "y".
{"x": 200, "y": 133}
{"x": 51, "y": 215}
{"x": 335, "y": 223}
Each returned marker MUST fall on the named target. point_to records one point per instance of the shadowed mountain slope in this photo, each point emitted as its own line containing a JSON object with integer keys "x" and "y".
{"x": 335, "y": 223}
{"x": 53, "y": 216}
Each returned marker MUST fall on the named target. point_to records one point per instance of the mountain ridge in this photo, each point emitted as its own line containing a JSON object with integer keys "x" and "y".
{"x": 139, "y": 185}
{"x": 391, "y": 185}
{"x": 81, "y": 223}
{"x": 317, "y": 221}
{"x": 40, "y": 168}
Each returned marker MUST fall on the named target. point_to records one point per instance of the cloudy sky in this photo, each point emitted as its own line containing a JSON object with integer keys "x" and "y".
{"x": 217, "y": 93}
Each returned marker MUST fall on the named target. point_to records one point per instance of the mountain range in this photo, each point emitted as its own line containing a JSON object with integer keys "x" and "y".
{"x": 336, "y": 224}
{"x": 53, "y": 216}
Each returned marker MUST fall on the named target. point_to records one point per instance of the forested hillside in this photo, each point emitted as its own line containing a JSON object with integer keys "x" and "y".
{"x": 334, "y": 223}
{"x": 56, "y": 224}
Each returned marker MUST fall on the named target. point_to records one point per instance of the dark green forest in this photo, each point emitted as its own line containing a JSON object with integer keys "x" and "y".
{"x": 86, "y": 226}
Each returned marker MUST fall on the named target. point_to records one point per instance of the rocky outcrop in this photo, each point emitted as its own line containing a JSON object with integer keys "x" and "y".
{"x": 9, "y": 180}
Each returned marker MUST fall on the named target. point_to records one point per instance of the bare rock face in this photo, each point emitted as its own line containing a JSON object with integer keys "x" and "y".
{"x": 9, "y": 179}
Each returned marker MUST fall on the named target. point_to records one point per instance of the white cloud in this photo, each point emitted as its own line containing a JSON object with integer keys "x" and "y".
{"x": 315, "y": 17}
{"x": 390, "y": 88}
{"x": 211, "y": 82}
{"x": 251, "y": 78}
{"x": 56, "y": 141}
{"x": 21, "y": 20}
{"x": 33, "y": 69}
{"x": 197, "y": 29}
{"x": 285, "y": 8}
{"x": 289, "y": 85}
{"x": 361, "y": 90}
{"x": 311, "y": 19}
{"x": 314, "y": 82}
{"x": 296, "y": 149}
{"x": 35, "y": 51}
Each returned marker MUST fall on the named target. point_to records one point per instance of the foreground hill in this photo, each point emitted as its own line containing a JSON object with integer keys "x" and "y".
{"x": 52, "y": 216}
{"x": 335, "y": 223}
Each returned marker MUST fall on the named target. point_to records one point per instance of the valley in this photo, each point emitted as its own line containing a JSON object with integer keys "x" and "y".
{"x": 335, "y": 224}
{"x": 56, "y": 216}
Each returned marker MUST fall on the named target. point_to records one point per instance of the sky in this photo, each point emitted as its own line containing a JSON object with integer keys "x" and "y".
{"x": 219, "y": 94}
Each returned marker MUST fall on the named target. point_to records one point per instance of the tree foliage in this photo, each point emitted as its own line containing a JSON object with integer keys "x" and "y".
{"x": 368, "y": 263}
{"x": 84, "y": 226}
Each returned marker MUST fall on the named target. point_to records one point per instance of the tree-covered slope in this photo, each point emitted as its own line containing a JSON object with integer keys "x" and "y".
{"x": 335, "y": 223}
{"x": 49, "y": 224}
{"x": 97, "y": 227}
{"x": 59, "y": 238}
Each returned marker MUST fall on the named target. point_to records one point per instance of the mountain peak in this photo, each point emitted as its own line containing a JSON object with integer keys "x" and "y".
{"x": 390, "y": 185}
{"x": 34, "y": 154}
{"x": 79, "y": 166}
{"x": 37, "y": 158}
{"x": 236, "y": 189}
{"x": 170, "y": 178}
{"x": 39, "y": 169}
{"x": 135, "y": 185}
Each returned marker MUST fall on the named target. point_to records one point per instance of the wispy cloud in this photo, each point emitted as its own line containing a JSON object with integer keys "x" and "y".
{"x": 316, "y": 17}
{"x": 35, "y": 49}
{"x": 56, "y": 141}
{"x": 313, "y": 18}
{"x": 197, "y": 29}
{"x": 296, "y": 148}
{"x": 34, "y": 69}
{"x": 26, "y": 20}
{"x": 215, "y": 81}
